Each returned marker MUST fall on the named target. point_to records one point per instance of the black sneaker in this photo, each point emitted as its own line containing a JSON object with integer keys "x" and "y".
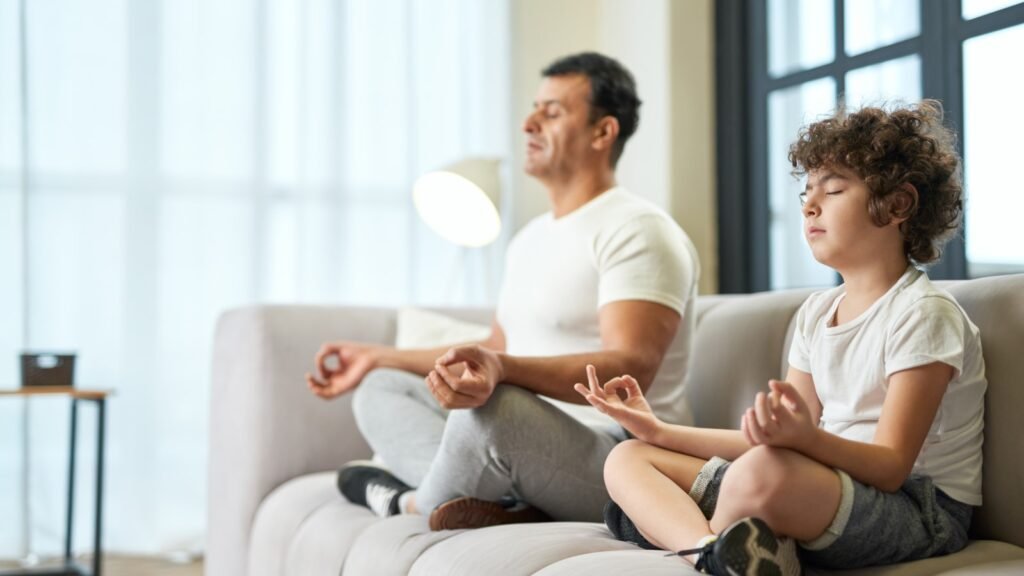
{"x": 367, "y": 484}
{"x": 623, "y": 528}
{"x": 747, "y": 548}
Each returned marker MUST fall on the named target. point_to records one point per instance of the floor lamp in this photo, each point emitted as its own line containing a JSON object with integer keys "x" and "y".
{"x": 460, "y": 203}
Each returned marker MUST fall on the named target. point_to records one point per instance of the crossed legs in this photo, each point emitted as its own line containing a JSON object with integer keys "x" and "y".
{"x": 794, "y": 495}
{"x": 516, "y": 444}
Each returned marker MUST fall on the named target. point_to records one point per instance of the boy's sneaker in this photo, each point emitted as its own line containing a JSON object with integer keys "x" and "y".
{"x": 623, "y": 528}
{"x": 747, "y": 548}
{"x": 467, "y": 512}
{"x": 368, "y": 484}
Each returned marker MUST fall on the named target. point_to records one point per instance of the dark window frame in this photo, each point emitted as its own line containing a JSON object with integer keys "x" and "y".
{"x": 743, "y": 84}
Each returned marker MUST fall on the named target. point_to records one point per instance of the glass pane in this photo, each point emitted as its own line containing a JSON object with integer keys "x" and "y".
{"x": 386, "y": 226}
{"x": 376, "y": 106}
{"x": 11, "y": 289}
{"x": 872, "y": 24}
{"x": 893, "y": 80}
{"x": 975, "y": 8}
{"x": 10, "y": 94}
{"x": 301, "y": 236}
{"x": 994, "y": 236}
{"x": 77, "y": 86}
{"x": 302, "y": 96}
{"x": 800, "y": 35}
{"x": 207, "y": 99}
{"x": 788, "y": 110}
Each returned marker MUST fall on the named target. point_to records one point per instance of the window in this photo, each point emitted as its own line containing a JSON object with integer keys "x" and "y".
{"x": 784, "y": 63}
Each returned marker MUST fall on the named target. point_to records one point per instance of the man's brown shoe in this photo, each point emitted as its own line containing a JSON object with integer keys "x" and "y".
{"x": 466, "y": 512}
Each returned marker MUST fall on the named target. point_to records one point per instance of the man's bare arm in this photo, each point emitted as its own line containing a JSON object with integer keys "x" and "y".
{"x": 421, "y": 361}
{"x": 635, "y": 336}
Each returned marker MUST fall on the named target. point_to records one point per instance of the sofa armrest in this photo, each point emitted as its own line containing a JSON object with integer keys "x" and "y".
{"x": 265, "y": 425}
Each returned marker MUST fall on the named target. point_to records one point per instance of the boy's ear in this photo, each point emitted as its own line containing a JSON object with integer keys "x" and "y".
{"x": 903, "y": 203}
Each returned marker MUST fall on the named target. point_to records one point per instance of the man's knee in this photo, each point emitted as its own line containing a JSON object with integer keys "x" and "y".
{"x": 366, "y": 399}
{"x": 505, "y": 415}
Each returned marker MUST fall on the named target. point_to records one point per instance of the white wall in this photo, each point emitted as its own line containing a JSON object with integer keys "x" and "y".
{"x": 692, "y": 156}
{"x": 669, "y": 48}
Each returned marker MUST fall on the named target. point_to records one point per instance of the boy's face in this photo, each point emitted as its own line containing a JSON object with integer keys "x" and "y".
{"x": 837, "y": 224}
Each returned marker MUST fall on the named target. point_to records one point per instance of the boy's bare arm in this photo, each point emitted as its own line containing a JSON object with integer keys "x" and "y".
{"x": 703, "y": 443}
{"x": 729, "y": 444}
{"x": 909, "y": 410}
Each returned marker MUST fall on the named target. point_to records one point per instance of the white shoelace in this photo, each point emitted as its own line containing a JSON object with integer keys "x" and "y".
{"x": 379, "y": 498}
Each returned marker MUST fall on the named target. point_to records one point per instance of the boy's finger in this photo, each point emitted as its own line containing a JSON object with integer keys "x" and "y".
{"x": 632, "y": 387}
{"x": 595, "y": 384}
{"x": 787, "y": 392}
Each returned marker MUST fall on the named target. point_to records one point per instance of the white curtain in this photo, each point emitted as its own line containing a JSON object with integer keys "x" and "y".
{"x": 161, "y": 161}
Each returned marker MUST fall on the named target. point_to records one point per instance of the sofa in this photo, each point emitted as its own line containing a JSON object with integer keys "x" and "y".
{"x": 274, "y": 508}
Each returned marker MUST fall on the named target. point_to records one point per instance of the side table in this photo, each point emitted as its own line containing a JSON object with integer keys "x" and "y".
{"x": 70, "y": 567}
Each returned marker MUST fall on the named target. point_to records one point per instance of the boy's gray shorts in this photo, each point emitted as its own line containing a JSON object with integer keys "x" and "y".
{"x": 871, "y": 527}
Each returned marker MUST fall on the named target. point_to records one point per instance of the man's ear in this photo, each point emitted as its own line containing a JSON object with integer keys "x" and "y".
{"x": 903, "y": 203}
{"x": 606, "y": 131}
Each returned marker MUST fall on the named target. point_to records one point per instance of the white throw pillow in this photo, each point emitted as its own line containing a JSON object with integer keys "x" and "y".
{"x": 418, "y": 328}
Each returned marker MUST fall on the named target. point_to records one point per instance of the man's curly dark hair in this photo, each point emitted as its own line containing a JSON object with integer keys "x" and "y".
{"x": 889, "y": 149}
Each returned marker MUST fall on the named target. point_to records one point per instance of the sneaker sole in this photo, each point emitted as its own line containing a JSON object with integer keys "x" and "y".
{"x": 466, "y": 512}
{"x": 750, "y": 548}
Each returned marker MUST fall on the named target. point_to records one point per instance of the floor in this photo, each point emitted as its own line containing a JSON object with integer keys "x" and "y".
{"x": 115, "y": 565}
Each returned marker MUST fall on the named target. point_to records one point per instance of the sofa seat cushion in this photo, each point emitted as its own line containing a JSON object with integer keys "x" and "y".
{"x": 981, "y": 557}
{"x": 514, "y": 549}
{"x": 976, "y": 553}
{"x": 635, "y": 562}
{"x": 304, "y": 527}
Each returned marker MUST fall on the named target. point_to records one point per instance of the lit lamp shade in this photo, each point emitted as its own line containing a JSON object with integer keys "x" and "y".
{"x": 460, "y": 201}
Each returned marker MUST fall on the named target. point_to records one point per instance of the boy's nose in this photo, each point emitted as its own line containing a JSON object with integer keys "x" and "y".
{"x": 809, "y": 209}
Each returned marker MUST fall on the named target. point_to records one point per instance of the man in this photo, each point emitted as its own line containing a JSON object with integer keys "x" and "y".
{"x": 493, "y": 432}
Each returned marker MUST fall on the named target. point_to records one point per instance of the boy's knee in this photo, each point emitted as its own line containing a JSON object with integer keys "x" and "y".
{"x": 756, "y": 476}
{"x": 624, "y": 458}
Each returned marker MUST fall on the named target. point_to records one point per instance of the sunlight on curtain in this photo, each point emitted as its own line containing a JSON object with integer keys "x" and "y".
{"x": 188, "y": 156}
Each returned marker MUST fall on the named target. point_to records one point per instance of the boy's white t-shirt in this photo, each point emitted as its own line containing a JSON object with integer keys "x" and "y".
{"x": 560, "y": 272}
{"x": 913, "y": 324}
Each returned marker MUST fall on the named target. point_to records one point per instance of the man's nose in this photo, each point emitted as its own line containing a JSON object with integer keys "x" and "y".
{"x": 530, "y": 123}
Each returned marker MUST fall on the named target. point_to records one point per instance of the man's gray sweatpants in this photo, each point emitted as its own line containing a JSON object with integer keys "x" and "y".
{"x": 516, "y": 444}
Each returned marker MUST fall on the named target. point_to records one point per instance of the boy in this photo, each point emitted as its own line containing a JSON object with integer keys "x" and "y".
{"x": 870, "y": 451}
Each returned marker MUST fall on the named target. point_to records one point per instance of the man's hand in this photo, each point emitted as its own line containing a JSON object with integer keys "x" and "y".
{"x": 780, "y": 418}
{"x": 340, "y": 367}
{"x": 633, "y": 413}
{"x": 471, "y": 389}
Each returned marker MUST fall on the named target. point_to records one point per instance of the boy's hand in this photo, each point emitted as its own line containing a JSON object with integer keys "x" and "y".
{"x": 633, "y": 413}
{"x": 780, "y": 418}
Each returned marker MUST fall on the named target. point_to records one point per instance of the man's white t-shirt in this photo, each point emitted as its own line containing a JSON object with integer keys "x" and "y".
{"x": 912, "y": 325}
{"x": 559, "y": 272}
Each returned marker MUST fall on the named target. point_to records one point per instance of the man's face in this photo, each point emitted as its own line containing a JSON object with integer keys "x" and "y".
{"x": 558, "y": 130}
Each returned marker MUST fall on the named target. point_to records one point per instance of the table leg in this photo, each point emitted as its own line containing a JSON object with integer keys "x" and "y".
{"x": 97, "y": 549}
{"x": 71, "y": 482}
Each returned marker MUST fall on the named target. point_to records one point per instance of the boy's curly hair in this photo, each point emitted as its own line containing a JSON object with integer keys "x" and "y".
{"x": 888, "y": 149}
